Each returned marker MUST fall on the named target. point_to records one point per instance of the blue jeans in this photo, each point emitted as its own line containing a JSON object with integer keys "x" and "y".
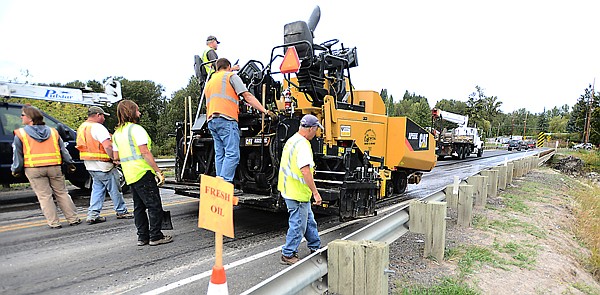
{"x": 226, "y": 136}
{"x": 302, "y": 223}
{"x": 103, "y": 182}
{"x": 146, "y": 197}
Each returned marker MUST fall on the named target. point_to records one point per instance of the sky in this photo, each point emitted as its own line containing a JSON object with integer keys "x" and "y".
{"x": 530, "y": 54}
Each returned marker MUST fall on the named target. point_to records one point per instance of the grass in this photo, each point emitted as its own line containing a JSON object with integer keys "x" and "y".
{"x": 448, "y": 286}
{"x": 587, "y": 211}
{"x": 588, "y": 225}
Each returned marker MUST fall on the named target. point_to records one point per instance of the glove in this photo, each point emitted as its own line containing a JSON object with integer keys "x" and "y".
{"x": 16, "y": 174}
{"x": 272, "y": 115}
{"x": 71, "y": 168}
{"x": 160, "y": 178}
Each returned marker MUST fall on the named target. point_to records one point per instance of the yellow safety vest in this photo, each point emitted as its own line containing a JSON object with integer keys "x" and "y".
{"x": 291, "y": 181}
{"x": 89, "y": 148}
{"x": 133, "y": 164}
{"x": 208, "y": 67}
{"x": 40, "y": 154}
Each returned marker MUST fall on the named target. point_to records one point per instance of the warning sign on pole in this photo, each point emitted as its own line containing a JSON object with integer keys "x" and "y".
{"x": 216, "y": 205}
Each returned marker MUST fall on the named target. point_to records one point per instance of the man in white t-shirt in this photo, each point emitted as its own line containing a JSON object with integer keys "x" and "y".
{"x": 95, "y": 148}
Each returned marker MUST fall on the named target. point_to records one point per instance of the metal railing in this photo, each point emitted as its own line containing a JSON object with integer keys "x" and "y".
{"x": 306, "y": 276}
{"x": 165, "y": 163}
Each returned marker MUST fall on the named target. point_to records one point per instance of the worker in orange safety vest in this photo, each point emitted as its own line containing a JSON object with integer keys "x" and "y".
{"x": 95, "y": 148}
{"x": 39, "y": 151}
{"x": 222, "y": 107}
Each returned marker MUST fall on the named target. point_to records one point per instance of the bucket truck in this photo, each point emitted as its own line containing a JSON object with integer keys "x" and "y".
{"x": 459, "y": 142}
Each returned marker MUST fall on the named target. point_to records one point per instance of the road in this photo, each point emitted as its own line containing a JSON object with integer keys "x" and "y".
{"x": 104, "y": 259}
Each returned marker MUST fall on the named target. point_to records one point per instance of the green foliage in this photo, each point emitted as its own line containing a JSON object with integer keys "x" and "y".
{"x": 413, "y": 106}
{"x": 69, "y": 114}
{"x": 176, "y": 112}
{"x": 448, "y": 286}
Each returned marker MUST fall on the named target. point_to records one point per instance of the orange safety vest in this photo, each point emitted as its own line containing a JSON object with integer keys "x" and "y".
{"x": 220, "y": 96}
{"x": 40, "y": 154}
{"x": 89, "y": 148}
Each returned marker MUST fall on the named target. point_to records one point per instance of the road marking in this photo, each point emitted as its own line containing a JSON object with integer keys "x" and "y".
{"x": 42, "y": 222}
{"x": 234, "y": 264}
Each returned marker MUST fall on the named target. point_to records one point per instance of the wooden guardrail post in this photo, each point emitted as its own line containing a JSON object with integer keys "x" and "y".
{"x": 509, "y": 172}
{"x": 519, "y": 168}
{"x": 502, "y": 176}
{"x": 357, "y": 267}
{"x": 451, "y": 197}
{"x": 465, "y": 205}
{"x": 492, "y": 182}
{"x": 429, "y": 218}
{"x": 477, "y": 181}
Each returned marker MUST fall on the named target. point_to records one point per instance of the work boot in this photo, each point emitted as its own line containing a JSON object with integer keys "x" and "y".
{"x": 164, "y": 240}
{"x": 288, "y": 260}
{"x": 125, "y": 215}
{"x": 98, "y": 219}
{"x": 237, "y": 192}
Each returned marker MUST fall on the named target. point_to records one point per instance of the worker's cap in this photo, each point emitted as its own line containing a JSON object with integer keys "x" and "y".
{"x": 310, "y": 121}
{"x": 97, "y": 110}
{"x": 212, "y": 38}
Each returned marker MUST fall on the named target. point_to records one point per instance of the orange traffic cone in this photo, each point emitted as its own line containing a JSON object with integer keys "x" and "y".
{"x": 218, "y": 282}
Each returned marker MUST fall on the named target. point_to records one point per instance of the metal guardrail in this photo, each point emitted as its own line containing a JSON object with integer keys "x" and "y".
{"x": 165, "y": 163}
{"x": 305, "y": 277}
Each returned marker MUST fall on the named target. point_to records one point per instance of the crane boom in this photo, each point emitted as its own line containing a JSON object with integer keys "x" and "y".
{"x": 461, "y": 120}
{"x": 63, "y": 94}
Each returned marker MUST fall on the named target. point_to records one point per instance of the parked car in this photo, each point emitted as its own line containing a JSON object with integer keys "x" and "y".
{"x": 10, "y": 119}
{"x": 585, "y": 146}
{"x": 514, "y": 144}
{"x": 531, "y": 144}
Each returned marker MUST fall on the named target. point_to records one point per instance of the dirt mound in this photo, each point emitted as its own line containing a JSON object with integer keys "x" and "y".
{"x": 569, "y": 165}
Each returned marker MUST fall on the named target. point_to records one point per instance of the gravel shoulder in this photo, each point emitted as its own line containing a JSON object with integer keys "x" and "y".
{"x": 522, "y": 242}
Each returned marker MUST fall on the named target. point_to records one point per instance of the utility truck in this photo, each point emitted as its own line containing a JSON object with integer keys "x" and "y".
{"x": 10, "y": 119}
{"x": 458, "y": 142}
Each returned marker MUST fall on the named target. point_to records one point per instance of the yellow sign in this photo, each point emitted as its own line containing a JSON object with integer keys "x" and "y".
{"x": 216, "y": 205}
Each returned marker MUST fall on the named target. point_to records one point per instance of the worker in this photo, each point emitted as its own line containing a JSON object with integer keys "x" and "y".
{"x": 95, "y": 148}
{"x": 222, "y": 107}
{"x": 132, "y": 148}
{"x": 297, "y": 186}
{"x": 39, "y": 150}
{"x": 210, "y": 54}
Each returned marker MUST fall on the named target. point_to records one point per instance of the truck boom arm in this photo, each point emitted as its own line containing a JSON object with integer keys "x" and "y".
{"x": 62, "y": 94}
{"x": 451, "y": 117}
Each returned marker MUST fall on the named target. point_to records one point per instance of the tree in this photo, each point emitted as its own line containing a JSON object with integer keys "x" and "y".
{"x": 542, "y": 124}
{"x": 174, "y": 112}
{"x": 579, "y": 114}
{"x": 149, "y": 98}
{"x": 415, "y": 107}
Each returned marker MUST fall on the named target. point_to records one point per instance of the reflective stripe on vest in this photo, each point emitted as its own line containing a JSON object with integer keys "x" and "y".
{"x": 133, "y": 163}
{"x": 208, "y": 67}
{"x": 90, "y": 148}
{"x": 40, "y": 154}
{"x": 220, "y": 96}
{"x": 291, "y": 181}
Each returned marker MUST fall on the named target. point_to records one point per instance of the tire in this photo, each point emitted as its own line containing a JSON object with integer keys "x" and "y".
{"x": 479, "y": 152}
{"x": 458, "y": 153}
{"x": 400, "y": 182}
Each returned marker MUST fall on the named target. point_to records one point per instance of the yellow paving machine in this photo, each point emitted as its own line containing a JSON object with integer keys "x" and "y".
{"x": 362, "y": 156}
